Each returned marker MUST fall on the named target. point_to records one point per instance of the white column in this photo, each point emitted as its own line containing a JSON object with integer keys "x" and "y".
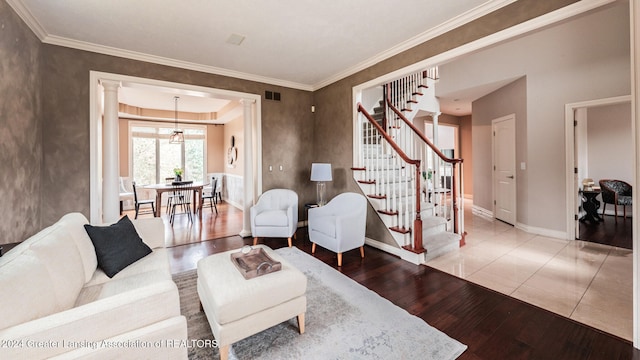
{"x": 248, "y": 167}
{"x": 110, "y": 172}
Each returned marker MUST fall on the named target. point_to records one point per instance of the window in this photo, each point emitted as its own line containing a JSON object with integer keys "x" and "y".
{"x": 153, "y": 158}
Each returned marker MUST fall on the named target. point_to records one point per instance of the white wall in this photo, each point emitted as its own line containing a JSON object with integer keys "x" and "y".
{"x": 582, "y": 59}
{"x": 610, "y": 143}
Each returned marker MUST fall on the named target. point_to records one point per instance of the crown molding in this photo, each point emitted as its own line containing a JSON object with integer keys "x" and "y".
{"x": 464, "y": 18}
{"x": 449, "y": 25}
{"x": 134, "y": 55}
{"x": 457, "y": 21}
{"x": 37, "y": 28}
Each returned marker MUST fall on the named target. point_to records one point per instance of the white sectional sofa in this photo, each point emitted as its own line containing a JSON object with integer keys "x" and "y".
{"x": 55, "y": 302}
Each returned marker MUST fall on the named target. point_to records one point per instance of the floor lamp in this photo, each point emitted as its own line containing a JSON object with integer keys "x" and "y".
{"x": 321, "y": 172}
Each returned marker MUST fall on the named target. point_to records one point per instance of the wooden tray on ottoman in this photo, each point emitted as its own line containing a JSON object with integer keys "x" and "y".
{"x": 254, "y": 263}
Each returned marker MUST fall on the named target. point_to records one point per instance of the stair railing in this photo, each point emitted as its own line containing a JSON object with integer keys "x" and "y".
{"x": 410, "y": 134}
{"x": 392, "y": 179}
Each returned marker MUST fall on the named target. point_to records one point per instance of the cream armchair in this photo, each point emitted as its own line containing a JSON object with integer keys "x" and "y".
{"x": 275, "y": 215}
{"x": 340, "y": 225}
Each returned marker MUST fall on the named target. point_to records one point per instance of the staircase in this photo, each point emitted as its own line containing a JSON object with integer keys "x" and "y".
{"x": 398, "y": 169}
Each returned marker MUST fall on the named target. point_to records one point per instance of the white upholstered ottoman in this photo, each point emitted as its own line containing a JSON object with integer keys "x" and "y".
{"x": 238, "y": 308}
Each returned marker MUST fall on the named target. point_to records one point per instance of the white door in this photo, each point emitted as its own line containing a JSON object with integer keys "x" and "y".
{"x": 504, "y": 165}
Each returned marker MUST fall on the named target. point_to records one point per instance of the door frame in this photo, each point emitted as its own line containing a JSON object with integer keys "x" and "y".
{"x": 571, "y": 191}
{"x": 514, "y": 202}
{"x": 253, "y": 132}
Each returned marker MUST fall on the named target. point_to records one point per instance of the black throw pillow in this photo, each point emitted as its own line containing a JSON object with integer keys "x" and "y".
{"x": 117, "y": 245}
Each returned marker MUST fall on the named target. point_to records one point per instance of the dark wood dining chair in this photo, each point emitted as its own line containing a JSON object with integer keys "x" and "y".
{"x": 211, "y": 195}
{"x": 170, "y": 196}
{"x": 139, "y": 203}
{"x": 181, "y": 201}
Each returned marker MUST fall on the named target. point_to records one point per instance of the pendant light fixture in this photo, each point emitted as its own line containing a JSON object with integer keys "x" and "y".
{"x": 177, "y": 136}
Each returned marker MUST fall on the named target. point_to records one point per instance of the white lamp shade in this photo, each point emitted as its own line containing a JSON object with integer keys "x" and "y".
{"x": 321, "y": 172}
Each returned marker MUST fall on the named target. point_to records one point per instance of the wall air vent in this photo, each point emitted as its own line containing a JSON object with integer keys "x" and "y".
{"x": 272, "y": 95}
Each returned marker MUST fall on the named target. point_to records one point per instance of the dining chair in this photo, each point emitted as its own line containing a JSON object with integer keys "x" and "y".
{"x": 125, "y": 194}
{"x": 171, "y": 195}
{"x": 139, "y": 203}
{"x": 217, "y": 190}
{"x": 210, "y": 195}
{"x": 181, "y": 201}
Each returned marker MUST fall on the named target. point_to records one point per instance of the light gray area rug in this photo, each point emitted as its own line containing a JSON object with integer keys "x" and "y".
{"x": 344, "y": 320}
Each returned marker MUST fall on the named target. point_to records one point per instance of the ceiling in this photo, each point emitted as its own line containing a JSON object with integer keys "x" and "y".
{"x": 303, "y": 44}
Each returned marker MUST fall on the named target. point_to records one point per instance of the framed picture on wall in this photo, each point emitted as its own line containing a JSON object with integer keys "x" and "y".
{"x": 232, "y": 153}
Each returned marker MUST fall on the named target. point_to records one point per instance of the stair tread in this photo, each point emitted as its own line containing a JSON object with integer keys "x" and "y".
{"x": 439, "y": 240}
{"x": 400, "y": 230}
{"x": 431, "y": 221}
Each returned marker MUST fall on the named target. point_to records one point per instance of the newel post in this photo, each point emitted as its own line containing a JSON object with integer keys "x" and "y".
{"x": 417, "y": 223}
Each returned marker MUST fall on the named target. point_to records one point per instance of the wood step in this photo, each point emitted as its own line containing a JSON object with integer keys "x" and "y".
{"x": 388, "y": 212}
{"x": 377, "y": 196}
{"x": 400, "y": 230}
{"x": 367, "y": 181}
{"x": 417, "y": 93}
{"x": 358, "y": 168}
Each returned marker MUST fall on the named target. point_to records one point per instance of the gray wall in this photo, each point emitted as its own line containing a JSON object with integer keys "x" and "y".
{"x": 20, "y": 128}
{"x": 610, "y": 143}
{"x": 511, "y": 99}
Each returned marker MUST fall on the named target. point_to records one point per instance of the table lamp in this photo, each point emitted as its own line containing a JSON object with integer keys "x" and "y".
{"x": 321, "y": 172}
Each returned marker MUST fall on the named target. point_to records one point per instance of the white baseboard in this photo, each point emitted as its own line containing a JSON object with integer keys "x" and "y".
{"x": 542, "y": 231}
{"x": 416, "y": 259}
{"x": 477, "y": 210}
{"x": 234, "y": 204}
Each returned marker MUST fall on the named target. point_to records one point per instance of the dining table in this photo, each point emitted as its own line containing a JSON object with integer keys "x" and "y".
{"x": 196, "y": 186}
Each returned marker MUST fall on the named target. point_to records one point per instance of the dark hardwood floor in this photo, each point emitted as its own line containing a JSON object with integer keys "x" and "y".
{"x": 494, "y": 326}
{"x": 608, "y": 232}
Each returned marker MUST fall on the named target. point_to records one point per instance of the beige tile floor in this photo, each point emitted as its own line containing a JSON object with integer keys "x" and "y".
{"x": 587, "y": 282}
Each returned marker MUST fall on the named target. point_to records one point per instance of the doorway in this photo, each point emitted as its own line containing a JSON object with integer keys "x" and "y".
{"x": 504, "y": 168}
{"x": 252, "y": 124}
{"x": 599, "y": 146}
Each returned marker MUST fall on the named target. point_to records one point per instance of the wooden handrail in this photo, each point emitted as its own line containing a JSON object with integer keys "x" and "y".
{"x": 386, "y": 136}
{"x": 417, "y": 225}
{"x": 454, "y": 162}
{"x": 420, "y": 134}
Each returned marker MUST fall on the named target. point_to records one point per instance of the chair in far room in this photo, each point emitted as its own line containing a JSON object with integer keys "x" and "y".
{"x": 209, "y": 193}
{"x": 139, "y": 203}
{"x": 125, "y": 193}
{"x": 182, "y": 201}
{"x": 616, "y": 192}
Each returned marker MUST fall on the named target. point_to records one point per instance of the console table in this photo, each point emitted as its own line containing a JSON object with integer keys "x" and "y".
{"x": 591, "y": 205}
